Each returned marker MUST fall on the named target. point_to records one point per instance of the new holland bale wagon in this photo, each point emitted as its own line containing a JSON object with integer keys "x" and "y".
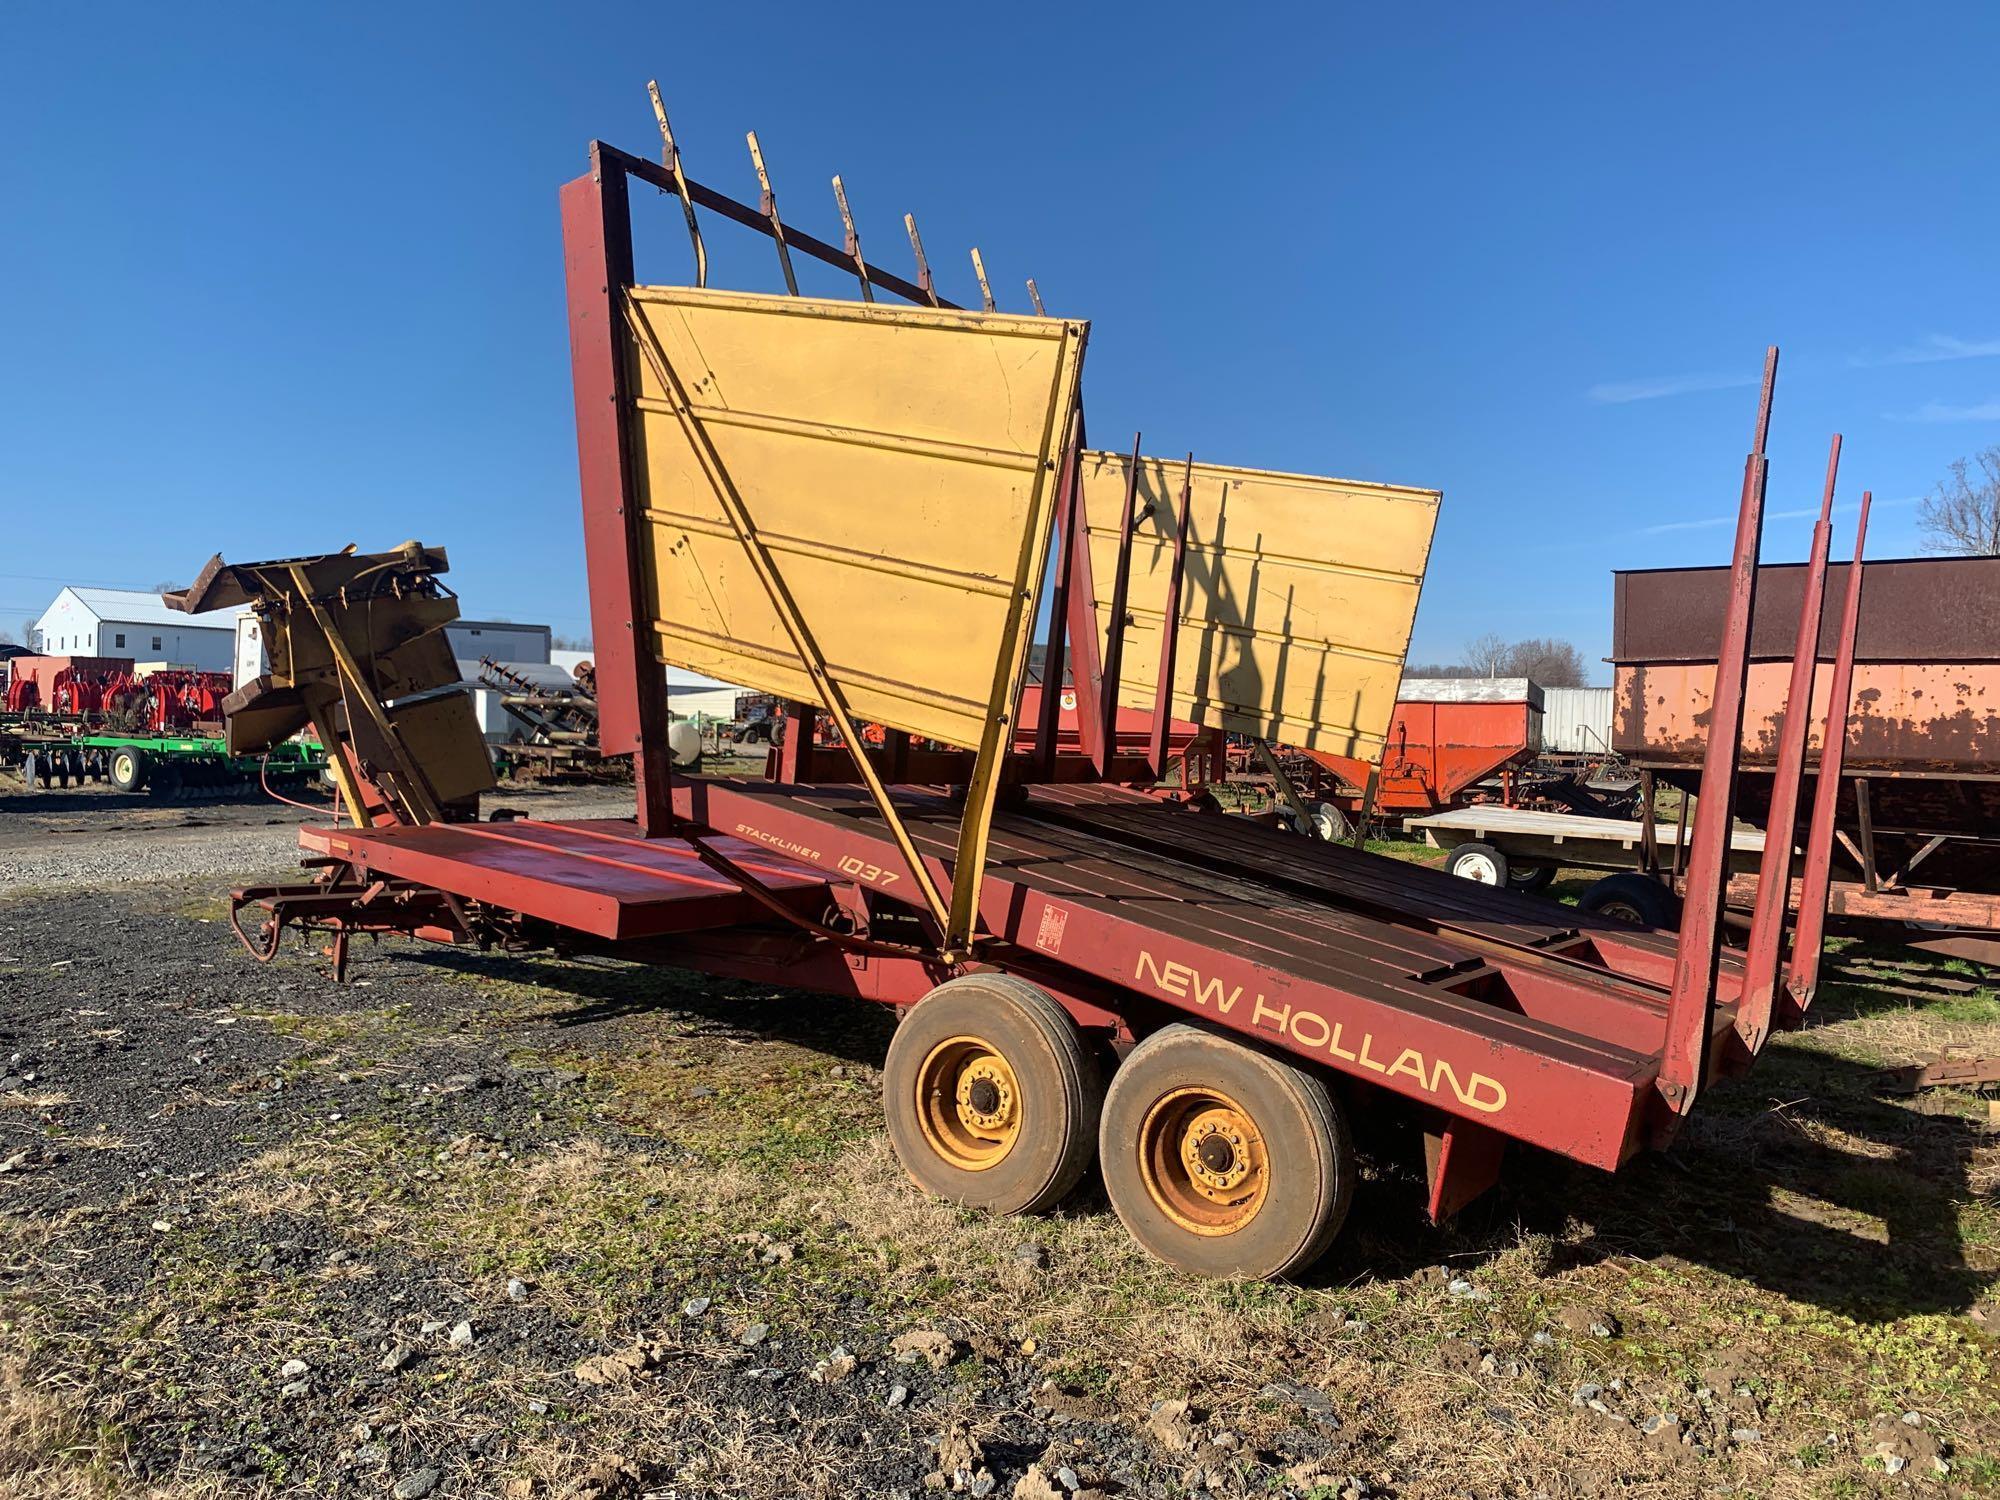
{"x": 852, "y": 505}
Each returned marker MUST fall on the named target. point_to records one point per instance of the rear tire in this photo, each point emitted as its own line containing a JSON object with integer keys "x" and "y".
{"x": 1222, "y": 1159}
{"x": 1530, "y": 877}
{"x": 1631, "y": 897}
{"x": 992, "y": 1095}
{"x": 128, "y": 769}
{"x": 1480, "y": 862}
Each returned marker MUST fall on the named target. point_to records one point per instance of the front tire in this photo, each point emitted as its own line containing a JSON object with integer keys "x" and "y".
{"x": 992, "y": 1095}
{"x": 1222, "y": 1159}
{"x": 1480, "y": 862}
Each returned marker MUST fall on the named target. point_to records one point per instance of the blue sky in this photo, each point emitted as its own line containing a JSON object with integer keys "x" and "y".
{"x": 282, "y": 277}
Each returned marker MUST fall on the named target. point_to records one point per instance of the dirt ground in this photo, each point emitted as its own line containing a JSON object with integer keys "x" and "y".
{"x": 484, "y": 1226}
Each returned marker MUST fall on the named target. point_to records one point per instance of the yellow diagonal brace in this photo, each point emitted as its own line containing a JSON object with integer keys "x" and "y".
{"x": 810, "y": 657}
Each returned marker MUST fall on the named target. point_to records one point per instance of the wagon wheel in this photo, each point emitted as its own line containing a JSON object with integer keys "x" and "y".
{"x": 128, "y": 768}
{"x": 1479, "y": 862}
{"x": 1631, "y": 896}
{"x": 1222, "y": 1159}
{"x": 992, "y": 1095}
{"x": 1523, "y": 877}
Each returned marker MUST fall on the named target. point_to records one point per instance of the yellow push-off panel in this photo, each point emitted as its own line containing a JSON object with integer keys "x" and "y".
{"x": 897, "y": 466}
{"x": 1296, "y": 605}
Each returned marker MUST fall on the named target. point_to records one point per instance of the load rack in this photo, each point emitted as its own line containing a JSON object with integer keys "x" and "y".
{"x": 851, "y": 505}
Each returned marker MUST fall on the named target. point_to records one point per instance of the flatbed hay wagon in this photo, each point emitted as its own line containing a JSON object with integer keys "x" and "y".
{"x": 851, "y": 505}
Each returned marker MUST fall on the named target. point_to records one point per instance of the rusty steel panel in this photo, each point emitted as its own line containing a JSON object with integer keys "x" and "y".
{"x": 1926, "y": 609}
{"x": 1909, "y": 717}
{"x": 1297, "y": 602}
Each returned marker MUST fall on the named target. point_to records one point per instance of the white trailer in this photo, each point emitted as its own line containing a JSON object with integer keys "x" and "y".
{"x": 1516, "y": 847}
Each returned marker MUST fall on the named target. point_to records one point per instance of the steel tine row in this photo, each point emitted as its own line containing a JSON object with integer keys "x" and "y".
{"x": 852, "y": 239}
{"x": 767, "y": 206}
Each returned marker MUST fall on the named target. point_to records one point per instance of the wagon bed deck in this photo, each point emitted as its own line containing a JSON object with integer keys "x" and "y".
{"x": 598, "y": 875}
{"x": 1564, "y": 1016}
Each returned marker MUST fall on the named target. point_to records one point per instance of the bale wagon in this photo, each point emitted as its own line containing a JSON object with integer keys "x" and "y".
{"x": 851, "y": 504}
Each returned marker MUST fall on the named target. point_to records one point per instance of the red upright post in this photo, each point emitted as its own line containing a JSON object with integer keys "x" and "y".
{"x": 631, "y": 684}
{"x": 1802, "y": 978}
{"x": 1691, "y": 1001}
{"x": 1055, "y": 660}
{"x": 1114, "y": 626}
{"x": 1086, "y": 668}
{"x": 1774, "y": 872}
{"x": 1170, "y": 630}
{"x": 800, "y": 722}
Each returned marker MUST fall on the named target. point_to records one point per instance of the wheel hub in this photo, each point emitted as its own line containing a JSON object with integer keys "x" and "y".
{"x": 1203, "y": 1162}
{"x": 968, "y": 1103}
{"x": 1215, "y": 1148}
{"x": 985, "y": 1096}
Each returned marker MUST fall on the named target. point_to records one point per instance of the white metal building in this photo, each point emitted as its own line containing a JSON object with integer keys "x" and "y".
{"x": 127, "y": 622}
{"x": 1577, "y": 721}
{"x": 497, "y": 640}
{"x": 689, "y": 694}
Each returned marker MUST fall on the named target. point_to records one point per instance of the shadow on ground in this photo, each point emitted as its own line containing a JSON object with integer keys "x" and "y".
{"x": 1801, "y": 1177}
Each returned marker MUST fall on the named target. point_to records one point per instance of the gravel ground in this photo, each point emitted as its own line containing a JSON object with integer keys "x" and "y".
{"x": 96, "y": 836}
{"x": 479, "y": 1225}
{"x": 175, "y": 1268}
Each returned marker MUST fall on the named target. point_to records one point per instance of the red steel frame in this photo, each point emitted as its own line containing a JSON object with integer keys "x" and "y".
{"x": 1497, "y": 1015}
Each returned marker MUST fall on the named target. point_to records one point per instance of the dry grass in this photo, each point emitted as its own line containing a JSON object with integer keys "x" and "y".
{"x": 783, "y": 1146}
{"x": 1825, "y": 1242}
{"x": 59, "y": 1442}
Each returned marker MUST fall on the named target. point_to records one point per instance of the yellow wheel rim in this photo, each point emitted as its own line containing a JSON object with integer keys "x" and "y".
{"x": 1203, "y": 1161}
{"x": 968, "y": 1103}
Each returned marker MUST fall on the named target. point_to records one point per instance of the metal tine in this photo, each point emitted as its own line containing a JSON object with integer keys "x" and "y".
{"x": 853, "y": 239}
{"x": 670, "y": 158}
{"x": 1114, "y": 629}
{"x": 1035, "y": 296}
{"x": 979, "y": 270}
{"x": 1170, "y": 626}
{"x": 1684, "y": 1054}
{"x": 768, "y": 206}
{"x": 1774, "y": 874}
{"x": 1802, "y": 974}
{"x": 923, "y": 265}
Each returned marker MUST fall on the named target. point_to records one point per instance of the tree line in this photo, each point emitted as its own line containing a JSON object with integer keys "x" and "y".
{"x": 1549, "y": 662}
